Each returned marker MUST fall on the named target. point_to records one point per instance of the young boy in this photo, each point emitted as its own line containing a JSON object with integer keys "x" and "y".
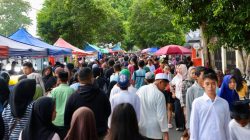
{"x": 239, "y": 127}
{"x": 210, "y": 114}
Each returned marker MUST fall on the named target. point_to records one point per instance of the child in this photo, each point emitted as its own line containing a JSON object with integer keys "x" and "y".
{"x": 239, "y": 126}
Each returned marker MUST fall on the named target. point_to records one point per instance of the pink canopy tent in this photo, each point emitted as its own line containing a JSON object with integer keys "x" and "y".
{"x": 63, "y": 44}
{"x": 173, "y": 49}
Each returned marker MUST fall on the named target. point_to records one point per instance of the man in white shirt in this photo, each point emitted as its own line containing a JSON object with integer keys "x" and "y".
{"x": 239, "y": 126}
{"x": 124, "y": 96}
{"x": 210, "y": 114}
{"x": 116, "y": 89}
{"x": 153, "y": 115}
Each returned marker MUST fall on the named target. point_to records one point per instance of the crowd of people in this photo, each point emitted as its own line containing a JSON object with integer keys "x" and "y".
{"x": 124, "y": 98}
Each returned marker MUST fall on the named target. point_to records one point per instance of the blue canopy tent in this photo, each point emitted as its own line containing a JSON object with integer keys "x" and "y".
{"x": 91, "y": 48}
{"x": 117, "y": 47}
{"x": 23, "y": 36}
{"x": 21, "y": 49}
{"x": 152, "y": 50}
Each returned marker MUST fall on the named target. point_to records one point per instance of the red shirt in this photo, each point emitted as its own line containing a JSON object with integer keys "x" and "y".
{"x": 159, "y": 70}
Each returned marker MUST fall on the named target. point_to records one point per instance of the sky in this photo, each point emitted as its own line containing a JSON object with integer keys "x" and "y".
{"x": 36, "y": 6}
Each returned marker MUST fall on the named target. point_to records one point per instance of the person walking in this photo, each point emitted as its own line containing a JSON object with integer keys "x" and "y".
{"x": 92, "y": 97}
{"x": 210, "y": 114}
{"x": 153, "y": 114}
{"x": 139, "y": 75}
{"x": 40, "y": 125}
{"x": 83, "y": 125}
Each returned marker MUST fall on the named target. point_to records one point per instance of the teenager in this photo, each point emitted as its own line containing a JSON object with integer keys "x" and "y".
{"x": 227, "y": 90}
{"x": 139, "y": 75}
{"x": 210, "y": 114}
{"x": 241, "y": 84}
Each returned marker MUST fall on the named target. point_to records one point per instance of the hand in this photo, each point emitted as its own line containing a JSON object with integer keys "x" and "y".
{"x": 165, "y": 136}
{"x": 173, "y": 95}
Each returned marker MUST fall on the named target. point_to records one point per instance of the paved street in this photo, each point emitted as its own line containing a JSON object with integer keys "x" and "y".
{"x": 173, "y": 134}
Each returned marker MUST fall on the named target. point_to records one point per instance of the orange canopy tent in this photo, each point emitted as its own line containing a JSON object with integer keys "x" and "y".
{"x": 4, "y": 51}
{"x": 63, "y": 44}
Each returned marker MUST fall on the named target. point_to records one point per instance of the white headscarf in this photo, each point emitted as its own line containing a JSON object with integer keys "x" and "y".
{"x": 189, "y": 76}
{"x": 183, "y": 71}
{"x": 39, "y": 80}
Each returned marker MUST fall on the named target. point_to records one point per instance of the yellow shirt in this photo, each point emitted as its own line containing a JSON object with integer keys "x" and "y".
{"x": 242, "y": 93}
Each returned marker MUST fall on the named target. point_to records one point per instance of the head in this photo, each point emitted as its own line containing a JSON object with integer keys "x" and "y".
{"x": 191, "y": 73}
{"x": 149, "y": 77}
{"x": 48, "y": 71}
{"x": 96, "y": 72}
{"x": 199, "y": 73}
{"x": 141, "y": 63}
{"x": 238, "y": 77}
{"x": 58, "y": 70}
{"x": 111, "y": 62}
{"x": 124, "y": 123}
{"x": 162, "y": 63}
{"x": 22, "y": 96}
{"x": 27, "y": 68}
{"x": 83, "y": 125}
{"x": 4, "y": 91}
{"x": 63, "y": 77}
{"x": 167, "y": 69}
{"x": 125, "y": 72}
{"x": 117, "y": 67}
{"x": 161, "y": 81}
{"x": 5, "y": 75}
{"x": 182, "y": 70}
{"x": 150, "y": 62}
{"x": 241, "y": 112}
{"x": 210, "y": 81}
{"x": 232, "y": 83}
{"x": 123, "y": 82}
{"x": 45, "y": 109}
{"x": 85, "y": 76}
{"x": 126, "y": 58}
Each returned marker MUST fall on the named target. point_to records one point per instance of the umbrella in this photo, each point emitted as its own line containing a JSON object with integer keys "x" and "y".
{"x": 149, "y": 50}
{"x": 173, "y": 49}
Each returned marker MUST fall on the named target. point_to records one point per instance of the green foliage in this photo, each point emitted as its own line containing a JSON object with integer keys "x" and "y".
{"x": 228, "y": 20}
{"x": 13, "y": 15}
{"x": 150, "y": 25}
{"x": 80, "y": 21}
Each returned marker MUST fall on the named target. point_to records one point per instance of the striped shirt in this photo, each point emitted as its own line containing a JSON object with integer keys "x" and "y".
{"x": 9, "y": 121}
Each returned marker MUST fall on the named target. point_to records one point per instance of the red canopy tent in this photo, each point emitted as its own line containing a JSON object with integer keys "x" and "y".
{"x": 4, "y": 51}
{"x": 63, "y": 44}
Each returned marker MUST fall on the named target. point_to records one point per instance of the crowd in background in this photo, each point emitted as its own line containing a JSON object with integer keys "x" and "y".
{"x": 125, "y": 98}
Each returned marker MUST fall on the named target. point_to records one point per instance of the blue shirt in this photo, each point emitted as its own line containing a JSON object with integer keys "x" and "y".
{"x": 138, "y": 77}
{"x": 75, "y": 86}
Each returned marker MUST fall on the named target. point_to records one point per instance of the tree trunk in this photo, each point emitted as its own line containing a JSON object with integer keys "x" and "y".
{"x": 248, "y": 66}
{"x": 204, "y": 41}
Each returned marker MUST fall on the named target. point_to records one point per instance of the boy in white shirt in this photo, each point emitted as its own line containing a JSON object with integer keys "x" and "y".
{"x": 239, "y": 127}
{"x": 210, "y": 114}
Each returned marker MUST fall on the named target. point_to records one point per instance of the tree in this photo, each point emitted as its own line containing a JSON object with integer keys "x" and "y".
{"x": 80, "y": 21}
{"x": 13, "y": 15}
{"x": 150, "y": 25}
{"x": 226, "y": 20}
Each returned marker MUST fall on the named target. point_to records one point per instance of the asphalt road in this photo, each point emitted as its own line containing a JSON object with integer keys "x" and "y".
{"x": 173, "y": 134}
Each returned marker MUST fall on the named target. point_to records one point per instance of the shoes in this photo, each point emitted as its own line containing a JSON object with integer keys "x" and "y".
{"x": 170, "y": 126}
{"x": 180, "y": 129}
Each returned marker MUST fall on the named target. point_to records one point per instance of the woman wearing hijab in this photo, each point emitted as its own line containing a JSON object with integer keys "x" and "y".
{"x": 241, "y": 84}
{"x": 17, "y": 112}
{"x": 4, "y": 96}
{"x": 188, "y": 82}
{"x": 124, "y": 124}
{"x": 176, "y": 85}
{"x": 83, "y": 126}
{"x": 40, "y": 125}
{"x": 47, "y": 73}
{"x": 227, "y": 90}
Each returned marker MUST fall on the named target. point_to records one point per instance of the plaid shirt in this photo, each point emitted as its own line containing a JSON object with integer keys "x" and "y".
{"x": 185, "y": 85}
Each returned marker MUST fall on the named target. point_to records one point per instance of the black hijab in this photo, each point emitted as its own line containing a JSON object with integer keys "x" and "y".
{"x": 40, "y": 125}
{"x": 4, "y": 91}
{"x": 22, "y": 97}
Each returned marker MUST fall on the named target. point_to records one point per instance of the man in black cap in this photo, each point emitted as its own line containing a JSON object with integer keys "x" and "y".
{"x": 239, "y": 126}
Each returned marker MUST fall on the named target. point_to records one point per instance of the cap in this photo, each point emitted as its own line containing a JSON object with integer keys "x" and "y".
{"x": 123, "y": 81}
{"x": 149, "y": 75}
{"x": 125, "y": 72}
{"x": 161, "y": 76}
